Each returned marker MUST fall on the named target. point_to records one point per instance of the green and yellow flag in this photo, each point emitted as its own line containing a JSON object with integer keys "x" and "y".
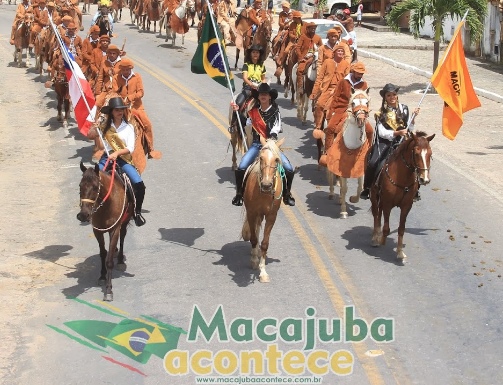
{"x": 209, "y": 58}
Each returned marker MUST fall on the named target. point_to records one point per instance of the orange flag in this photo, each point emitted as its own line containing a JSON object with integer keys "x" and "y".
{"x": 452, "y": 82}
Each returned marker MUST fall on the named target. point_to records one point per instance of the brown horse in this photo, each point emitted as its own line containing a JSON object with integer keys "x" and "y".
{"x": 262, "y": 199}
{"x": 40, "y": 49}
{"x": 153, "y": 8}
{"x": 243, "y": 34}
{"x": 62, "y": 91}
{"x": 304, "y": 87}
{"x": 397, "y": 184}
{"x": 104, "y": 202}
{"x": 117, "y": 6}
{"x": 22, "y": 40}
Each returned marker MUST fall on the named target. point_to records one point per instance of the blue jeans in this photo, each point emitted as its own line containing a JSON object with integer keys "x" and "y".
{"x": 130, "y": 170}
{"x": 252, "y": 154}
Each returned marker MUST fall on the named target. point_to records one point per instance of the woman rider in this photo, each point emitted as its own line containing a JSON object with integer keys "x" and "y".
{"x": 391, "y": 123}
{"x": 266, "y": 121}
{"x": 119, "y": 139}
{"x": 253, "y": 72}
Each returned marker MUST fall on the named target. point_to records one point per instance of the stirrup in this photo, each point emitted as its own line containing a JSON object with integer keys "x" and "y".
{"x": 237, "y": 200}
{"x": 139, "y": 220}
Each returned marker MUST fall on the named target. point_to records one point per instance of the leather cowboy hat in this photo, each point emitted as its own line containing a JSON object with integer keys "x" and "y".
{"x": 67, "y": 18}
{"x": 333, "y": 32}
{"x": 389, "y": 88}
{"x": 311, "y": 25}
{"x": 115, "y": 102}
{"x": 256, "y": 47}
{"x": 104, "y": 37}
{"x": 264, "y": 88}
{"x": 126, "y": 63}
{"x": 113, "y": 47}
{"x": 94, "y": 28}
{"x": 296, "y": 14}
{"x": 358, "y": 67}
{"x": 51, "y": 4}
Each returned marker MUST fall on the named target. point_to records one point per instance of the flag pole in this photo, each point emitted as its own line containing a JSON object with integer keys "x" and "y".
{"x": 443, "y": 58}
{"x": 227, "y": 77}
{"x": 64, "y": 52}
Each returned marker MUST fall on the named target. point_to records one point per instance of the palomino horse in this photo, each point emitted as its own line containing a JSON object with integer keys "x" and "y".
{"x": 262, "y": 199}
{"x": 346, "y": 157}
{"x": 302, "y": 93}
{"x": 104, "y": 202}
{"x": 22, "y": 40}
{"x": 397, "y": 184}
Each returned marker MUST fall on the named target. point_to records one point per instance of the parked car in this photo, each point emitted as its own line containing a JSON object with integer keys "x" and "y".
{"x": 323, "y": 25}
{"x": 330, "y": 8}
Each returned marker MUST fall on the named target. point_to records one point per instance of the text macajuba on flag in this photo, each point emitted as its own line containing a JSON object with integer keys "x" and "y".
{"x": 452, "y": 82}
{"x": 79, "y": 88}
{"x": 208, "y": 57}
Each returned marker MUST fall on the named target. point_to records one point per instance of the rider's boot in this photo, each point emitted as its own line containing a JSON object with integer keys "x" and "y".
{"x": 139, "y": 194}
{"x": 238, "y": 199}
{"x": 287, "y": 187}
{"x": 365, "y": 194}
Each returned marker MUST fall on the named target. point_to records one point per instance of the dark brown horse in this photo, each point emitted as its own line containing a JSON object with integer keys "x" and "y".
{"x": 243, "y": 33}
{"x": 397, "y": 184}
{"x": 62, "y": 91}
{"x": 22, "y": 40}
{"x": 262, "y": 199}
{"x": 104, "y": 202}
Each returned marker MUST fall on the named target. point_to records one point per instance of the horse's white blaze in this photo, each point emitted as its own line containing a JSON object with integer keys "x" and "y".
{"x": 423, "y": 157}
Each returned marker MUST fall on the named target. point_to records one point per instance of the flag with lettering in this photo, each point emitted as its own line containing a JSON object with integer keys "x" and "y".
{"x": 210, "y": 58}
{"x": 452, "y": 82}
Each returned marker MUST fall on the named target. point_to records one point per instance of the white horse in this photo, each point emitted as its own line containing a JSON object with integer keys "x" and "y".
{"x": 176, "y": 22}
{"x": 302, "y": 94}
{"x": 346, "y": 157}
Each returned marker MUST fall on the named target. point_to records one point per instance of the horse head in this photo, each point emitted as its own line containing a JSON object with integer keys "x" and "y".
{"x": 360, "y": 106}
{"x": 269, "y": 160}
{"x": 421, "y": 155}
{"x": 89, "y": 191}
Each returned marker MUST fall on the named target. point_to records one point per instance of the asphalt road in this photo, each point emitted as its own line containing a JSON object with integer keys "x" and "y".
{"x": 445, "y": 301}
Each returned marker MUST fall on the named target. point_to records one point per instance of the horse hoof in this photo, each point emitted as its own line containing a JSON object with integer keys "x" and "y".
{"x": 65, "y": 124}
{"x": 344, "y": 215}
{"x": 121, "y": 267}
{"x": 354, "y": 199}
{"x": 375, "y": 243}
{"x": 401, "y": 255}
{"x": 101, "y": 281}
{"x": 331, "y": 197}
{"x": 109, "y": 297}
{"x": 264, "y": 278}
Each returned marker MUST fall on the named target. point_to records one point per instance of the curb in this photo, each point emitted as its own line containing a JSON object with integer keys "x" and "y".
{"x": 479, "y": 91}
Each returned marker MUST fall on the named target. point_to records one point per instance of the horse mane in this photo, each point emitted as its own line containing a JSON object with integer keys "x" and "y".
{"x": 271, "y": 145}
{"x": 421, "y": 133}
{"x": 405, "y": 143}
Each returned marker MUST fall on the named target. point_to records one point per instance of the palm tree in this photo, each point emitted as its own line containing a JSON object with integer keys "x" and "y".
{"x": 439, "y": 10}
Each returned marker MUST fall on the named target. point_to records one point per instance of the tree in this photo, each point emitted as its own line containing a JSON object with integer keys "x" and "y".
{"x": 439, "y": 10}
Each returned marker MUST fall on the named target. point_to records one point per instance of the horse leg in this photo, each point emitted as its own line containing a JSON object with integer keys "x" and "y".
{"x": 269, "y": 223}
{"x": 237, "y": 58}
{"x": 255, "y": 251}
{"x": 342, "y": 197}
{"x": 67, "y": 112}
{"x": 330, "y": 177}
{"x": 356, "y": 198}
{"x": 60, "y": 108}
{"x": 404, "y": 211}
{"x": 306, "y": 107}
{"x": 114, "y": 238}
{"x": 121, "y": 265}
{"x": 299, "y": 104}
{"x": 385, "y": 228}
{"x": 103, "y": 254}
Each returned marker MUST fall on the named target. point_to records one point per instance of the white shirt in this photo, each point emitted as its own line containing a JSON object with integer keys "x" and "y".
{"x": 126, "y": 133}
{"x": 389, "y": 134}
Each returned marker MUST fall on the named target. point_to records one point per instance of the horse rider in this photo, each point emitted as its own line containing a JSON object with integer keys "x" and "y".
{"x": 330, "y": 73}
{"x": 308, "y": 43}
{"x": 255, "y": 17}
{"x": 41, "y": 20}
{"x": 253, "y": 72}
{"x": 225, "y": 18}
{"x": 266, "y": 122}
{"x": 107, "y": 70}
{"x": 327, "y": 50}
{"x": 22, "y": 9}
{"x": 284, "y": 19}
{"x": 129, "y": 85}
{"x": 103, "y": 11}
{"x": 88, "y": 45}
{"x": 342, "y": 94}
{"x": 344, "y": 17}
{"x": 99, "y": 54}
{"x": 73, "y": 42}
{"x": 391, "y": 126}
{"x": 119, "y": 140}
{"x": 295, "y": 29}
{"x": 52, "y": 13}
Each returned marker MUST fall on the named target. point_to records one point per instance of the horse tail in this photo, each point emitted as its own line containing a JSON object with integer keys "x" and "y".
{"x": 245, "y": 231}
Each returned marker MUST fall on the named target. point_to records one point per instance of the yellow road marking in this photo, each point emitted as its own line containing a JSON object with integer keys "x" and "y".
{"x": 335, "y": 295}
{"x": 115, "y": 309}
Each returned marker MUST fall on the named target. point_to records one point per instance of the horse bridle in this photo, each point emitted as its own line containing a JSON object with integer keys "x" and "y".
{"x": 275, "y": 168}
{"x": 93, "y": 201}
{"x": 415, "y": 167}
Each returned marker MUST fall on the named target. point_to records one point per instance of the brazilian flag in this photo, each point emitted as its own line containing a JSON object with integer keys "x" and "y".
{"x": 209, "y": 58}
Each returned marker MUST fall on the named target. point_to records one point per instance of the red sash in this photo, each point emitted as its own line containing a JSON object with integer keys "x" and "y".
{"x": 258, "y": 122}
